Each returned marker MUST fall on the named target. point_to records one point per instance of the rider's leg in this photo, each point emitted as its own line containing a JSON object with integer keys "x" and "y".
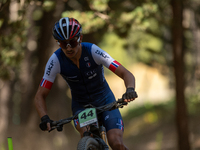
{"x": 115, "y": 139}
{"x": 114, "y": 125}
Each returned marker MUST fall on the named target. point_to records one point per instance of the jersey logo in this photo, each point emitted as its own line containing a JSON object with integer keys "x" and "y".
{"x": 120, "y": 124}
{"x": 50, "y": 67}
{"x": 106, "y": 117}
{"x": 86, "y": 58}
{"x": 88, "y": 64}
{"x": 101, "y": 54}
{"x": 91, "y": 74}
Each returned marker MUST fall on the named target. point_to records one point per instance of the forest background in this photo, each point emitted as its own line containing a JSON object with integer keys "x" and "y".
{"x": 158, "y": 40}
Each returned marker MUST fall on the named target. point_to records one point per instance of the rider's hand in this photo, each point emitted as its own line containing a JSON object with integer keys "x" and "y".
{"x": 130, "y": 95}
{"x": 45, "y": 123}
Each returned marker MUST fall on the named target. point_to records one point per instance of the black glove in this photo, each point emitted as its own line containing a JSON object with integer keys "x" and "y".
{"x": 44, "y": 120}
{"x": 130, "y": 94}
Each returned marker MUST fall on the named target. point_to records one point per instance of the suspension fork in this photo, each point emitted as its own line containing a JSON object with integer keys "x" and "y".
{"x": 103, "y": 134}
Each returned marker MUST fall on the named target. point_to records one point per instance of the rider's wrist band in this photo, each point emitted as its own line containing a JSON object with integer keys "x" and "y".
{"x": 45, "y": 117}
{"x": 130, "y": 88}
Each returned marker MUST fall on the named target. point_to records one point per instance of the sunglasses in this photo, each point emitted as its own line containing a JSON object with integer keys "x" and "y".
{"x": 72, "y": 43}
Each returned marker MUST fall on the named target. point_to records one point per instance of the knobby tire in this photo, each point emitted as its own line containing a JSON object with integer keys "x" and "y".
{"x": 88, "y": 143}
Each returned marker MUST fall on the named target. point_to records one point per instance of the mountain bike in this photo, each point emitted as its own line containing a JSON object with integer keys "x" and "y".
{"x": 95, "y": 136}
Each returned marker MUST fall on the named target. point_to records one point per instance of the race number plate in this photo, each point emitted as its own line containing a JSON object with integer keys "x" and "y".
{"x": 87, "y": 117}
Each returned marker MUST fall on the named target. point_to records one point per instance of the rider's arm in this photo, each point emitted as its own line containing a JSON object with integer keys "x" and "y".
{"x": 51, "y": 70}
{"x": 40, "y": 102}
{"x": 129, "y": 81}
{"x": 127, "y": 76}
{"x": 40, "y": 105}
{"x": 101, "y": 57}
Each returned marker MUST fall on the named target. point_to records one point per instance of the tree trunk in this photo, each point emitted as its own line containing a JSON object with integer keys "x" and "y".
{"x": 178, "y": 53}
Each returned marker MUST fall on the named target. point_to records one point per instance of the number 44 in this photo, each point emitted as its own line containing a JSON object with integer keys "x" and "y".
{"x": 84, "y": 115}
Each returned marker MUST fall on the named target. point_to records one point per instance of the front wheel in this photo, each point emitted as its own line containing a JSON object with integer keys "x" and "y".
{"x": 88, "y": 143}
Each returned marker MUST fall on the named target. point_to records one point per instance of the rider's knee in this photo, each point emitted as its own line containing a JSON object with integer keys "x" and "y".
{"x": 117, "y": 145}
{"x": 115, "y": 139}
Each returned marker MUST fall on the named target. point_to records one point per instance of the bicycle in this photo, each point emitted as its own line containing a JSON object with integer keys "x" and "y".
{"x": 95, "y": 136}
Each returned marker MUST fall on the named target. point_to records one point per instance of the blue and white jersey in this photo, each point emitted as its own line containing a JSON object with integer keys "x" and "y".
{"x": 87, "y": 83}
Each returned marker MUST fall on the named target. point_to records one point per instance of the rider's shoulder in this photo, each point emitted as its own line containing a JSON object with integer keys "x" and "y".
{"x": 90, "y": 47}
{"x": 58, "y": 51}
{"x": 86, "y": 45}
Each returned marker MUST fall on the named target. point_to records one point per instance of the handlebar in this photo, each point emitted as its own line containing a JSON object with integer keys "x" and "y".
{"x": 111, "y": 106}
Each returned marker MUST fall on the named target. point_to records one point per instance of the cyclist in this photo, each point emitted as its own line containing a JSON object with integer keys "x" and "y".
{"x": 81, "y": 65}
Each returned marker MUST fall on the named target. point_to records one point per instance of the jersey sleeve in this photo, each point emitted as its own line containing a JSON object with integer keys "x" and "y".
{"x": 102, "y": 57}
{"x": 51, "y": 70}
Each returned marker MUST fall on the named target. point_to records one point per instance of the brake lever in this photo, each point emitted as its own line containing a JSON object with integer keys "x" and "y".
{"x": 121, "y": 105}
{"x": 52, "y": 129}
{"x": 124, "y": 103}
{"x": 120, "y": 100}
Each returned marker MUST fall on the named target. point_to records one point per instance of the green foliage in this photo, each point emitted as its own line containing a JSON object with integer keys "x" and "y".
{"x": 146, "y": 47}
{"x": 193, "y": 102}
{"x": 98, "y": 5}
{"x": 48, "y": 5}
{"x": 37, "y": 14}
{"x": 11, "y": 47}
{"x": 89, "y": 21}
{"x": 152, "y": 112}
{"x": 139, "y": 16}
{"x": 114, "y": 46}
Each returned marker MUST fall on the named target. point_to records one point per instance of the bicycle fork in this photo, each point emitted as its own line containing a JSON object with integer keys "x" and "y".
{"x": 103, "y": 134}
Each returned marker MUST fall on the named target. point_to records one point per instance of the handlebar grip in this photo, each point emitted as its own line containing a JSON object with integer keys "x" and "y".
{"x": 54, "y": 123}
{"x": 124, "y": 103}
{"x": 120, "y": 100}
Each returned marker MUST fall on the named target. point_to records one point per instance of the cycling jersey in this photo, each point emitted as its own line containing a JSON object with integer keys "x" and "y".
{"x": 87, "y": 83}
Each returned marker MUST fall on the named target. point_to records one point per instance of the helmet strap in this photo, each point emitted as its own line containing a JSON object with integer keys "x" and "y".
{"x": 78, "y": 39}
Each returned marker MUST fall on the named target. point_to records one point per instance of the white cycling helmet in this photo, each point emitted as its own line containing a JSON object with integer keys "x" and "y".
{"x": 66, "y": 28}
